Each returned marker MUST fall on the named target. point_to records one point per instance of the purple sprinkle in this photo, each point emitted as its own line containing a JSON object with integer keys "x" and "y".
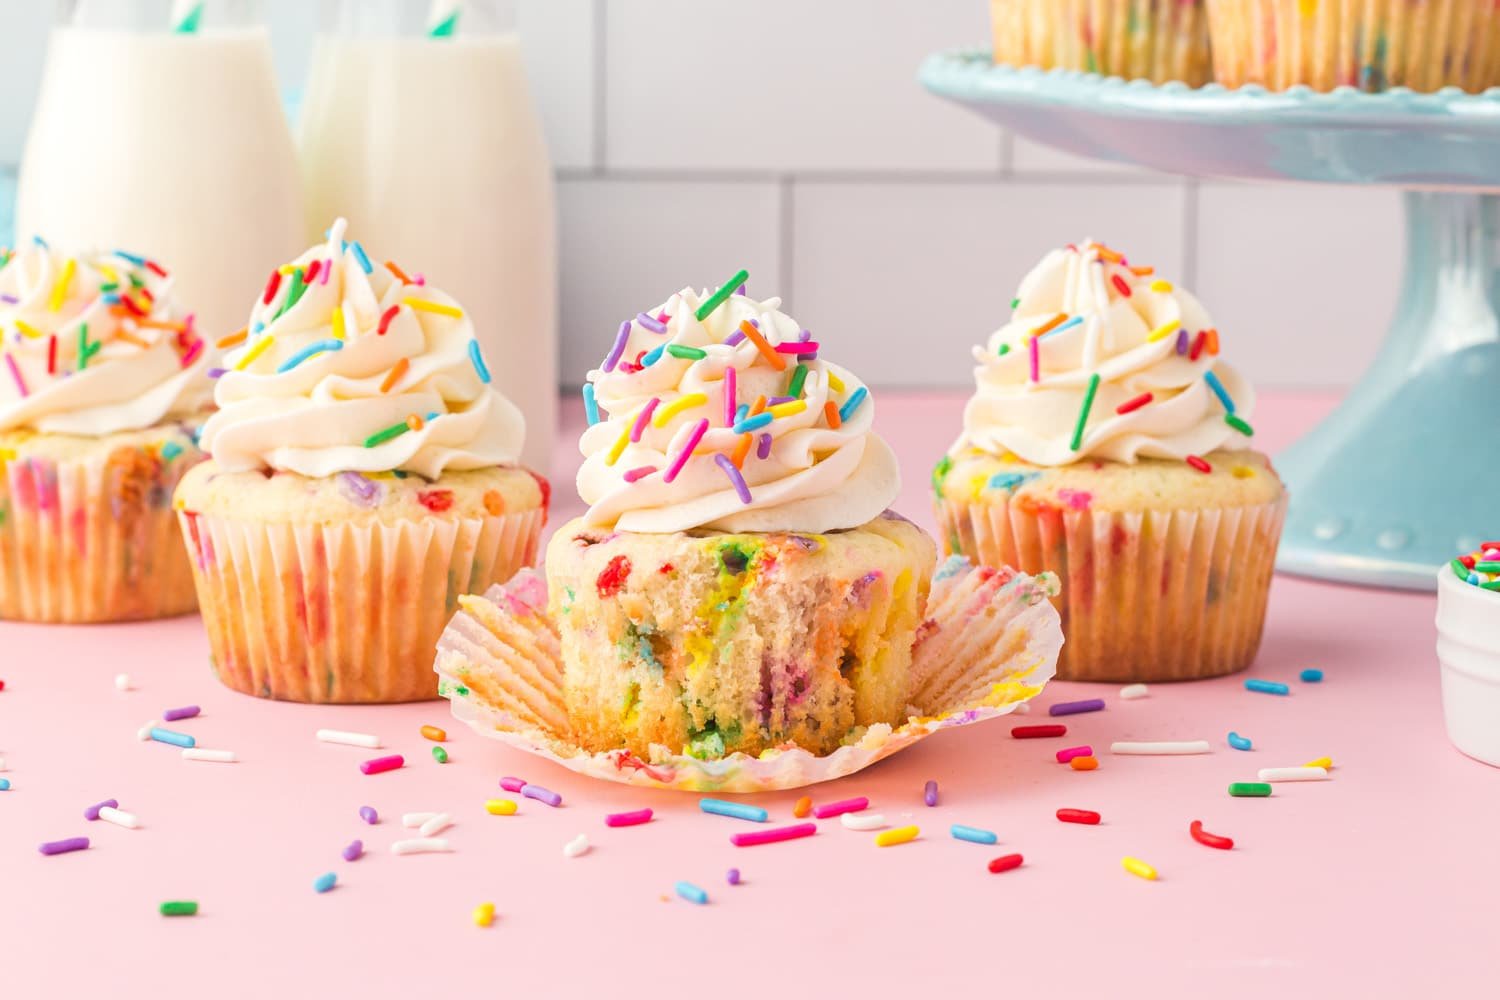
{"x": 1077, "y": 707}
{"x": 10, "y": 300}
{"x": 217, "y": 372}
{"x": 185, "y": 712}
{"x": 512, "y": 784}
{"x": 369, "y": 815}
{"x": 357, "y": 489}
{"x": 741, "y": 290}
{"x": 735, "y": 339}
{"x": 738, "y": 480}
{"x": 929, "y": 793}
{"x": 733, "y": 876}
{"x": 778, "y": 400}
{"x": 64, "y": 846}
{"x": 804, "y": 335}
{"x": 621, "y": 338}
{"x": 541, "y": 795}
{"x": 92, "y": 812}
{"x": 763, "y": 449}
{"x": 355, "y": 849}
{"x": 651, "y": 323}
{"x": 1182, "y": 342}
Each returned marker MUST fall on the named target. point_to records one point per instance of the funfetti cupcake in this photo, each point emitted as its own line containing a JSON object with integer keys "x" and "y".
{"x": 1108, "y": 442}
{"x": 102, "y": 384}
{"x": 1156, "y": 40}
{"x": 737, "y": 583}
{"x": 363, "y": 476}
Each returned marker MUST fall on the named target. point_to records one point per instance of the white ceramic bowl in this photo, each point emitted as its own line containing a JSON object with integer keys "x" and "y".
{"x": 1468, "y": 648}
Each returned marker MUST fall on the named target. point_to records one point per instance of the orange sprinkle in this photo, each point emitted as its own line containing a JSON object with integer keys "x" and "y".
{"x": 161, "y": 324}
{"x": 759, "y": 407}
{"x": 390, "y": 266}
{"x": 233, "y": 338}
{"x": 1050, "y": 324}
{"x": 1211, "y": 340}
{"x": 433, "y": 733}
{"x": 773, "y": 357}
{"x": 1108, "y": 254}
{"x": 414, "y": 422}
{"x": 130, "y": 338}
{"x": 741, "y": 450}
{"x": 803, "y": 807}
{"x": 1142, "y": 272}
{"x": 831, "y": 414}
{"x": 394, "y": 375}
{"x": 1084, "y": 763}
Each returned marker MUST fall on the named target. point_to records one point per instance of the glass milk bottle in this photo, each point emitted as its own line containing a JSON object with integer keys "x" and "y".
{"x": 159, "y": 130}
{"x": 419, "y": 129}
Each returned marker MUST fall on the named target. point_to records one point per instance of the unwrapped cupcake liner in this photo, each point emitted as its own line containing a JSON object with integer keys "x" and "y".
{"x": 343, "y": 612}
{"x": 1156, "y": 40}
{"x": 990, "y": 643}
{"x": 1370, "y": 46}
{"x": 1145, "y": 596}
{"x": 94, "y": 539}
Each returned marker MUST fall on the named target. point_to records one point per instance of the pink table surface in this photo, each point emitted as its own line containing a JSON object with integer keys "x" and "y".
{"x": 1380, "y": 882}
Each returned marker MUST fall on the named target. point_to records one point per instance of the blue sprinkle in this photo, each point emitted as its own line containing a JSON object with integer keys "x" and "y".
{"x": 1267, "y": 687}
{"x": 1219, "y": 390}
{"x": 952, "y": 566}
{"x": 737, "y": 810}
{"x": 653, "y": 356}
{"x": 1238, "y": 742}
{"x": 135, "y": 259}
{"x": 1311, "y": 676}
{"x": 257, "y": 326}
{"x": 325, "y": 882}
{"x": 359, "y": 255}
{"x": 40, "y": 242}
{"x": 4, "y": 784}
{"x": 316, "y": 347}
{"x": 478, "y": 360}
{"x": 691, "y": 893}
{"x": 111, "y": 298}
{"x": 852, "y": 404}
{"x": 170, "y": 450}
{"x": 972, "y": 834}
{"x": 590, "y": 405}
{"x": 741, "y": 412}
{"x": 754, "y": 423}
{"x": 1065, "y": 326}
{"x": 175, "y": 738}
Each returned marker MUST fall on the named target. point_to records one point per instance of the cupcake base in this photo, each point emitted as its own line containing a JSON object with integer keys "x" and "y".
{"x": 87, "y": 532}
{"x": 1156, "y": 40}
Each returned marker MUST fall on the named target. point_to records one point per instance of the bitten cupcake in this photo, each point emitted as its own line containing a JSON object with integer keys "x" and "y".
{"x": 1156, "y": 40}
{"x": 102, "y": 384}
{"x": 1370, "y": 46}
{"x": 737, "y": 583}
{"x": 362, "y": 477}
{"x": 1108, "y": 442}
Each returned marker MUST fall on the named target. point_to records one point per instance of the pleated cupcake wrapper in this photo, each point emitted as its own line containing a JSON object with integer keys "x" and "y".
{"x": 343, "y": 612}
{"x": 1154, "y": 596}
{"x": 93, "y": 539}
{"x": 990, "y": 643}
{"x": 1157, "y": 40}
{"x": 1369, "y": 46}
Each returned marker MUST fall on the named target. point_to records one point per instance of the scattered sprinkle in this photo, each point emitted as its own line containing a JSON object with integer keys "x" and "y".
{"x": 1207, "y": 839}
{"x": 186, "y": 712}
{"x": 900, "y": 835}
{"x": 1159, "y": 748}
{"x": 1131, "y": 692}
{"x": 544, "y": 795}
{"x": 92, "y": 812}
{"x": 209, "y": 756}
{"x": 736, "y": 810}
{"x": 1077, "y": 707}
{"x": 691, "y": 893}
{"x": 1139, "y": 868}
{"x": 484, "y": 914}
{"x": 122, "y": 682}
{"x": 353, "y": 851}
{"x": 930, "y": 793}
{"x": 421, "y": 845}
{"x": 1293, "y": 774}
{"x": 1084, "y": 762}
{"x": 577, "y": 847}
{"x": 500, "y": 807}
{"x": 635, "y": 818}
{"x": 1063, "y": 756}
{"x": 379, "y": 765}
{"x": 732, "y": 876}
{"x": 1266, "y": 687}
{"x": 477, "y": 360}
{"x": 831, "y": 809}
{"x": 972, "y": 834}
{"x": 1038, "y": 732}
{"x": 775, "y": 835}
{"x": 803, "y": 807}
{"x": 365, "y": 740}
{"x": 325, "y": 882}
{"x": 1311, "y": 676}
{"x": 440, "y": 755}
{"x": 1250, "y": 789}
{"x": 590, "y": 404}
{"x": 64, "y": 846}
{"x": 173, "y": 737}
{"x": 862, "y": 821}
{"x": 1004, "y": 863}
{"x": 1239, "y": 742}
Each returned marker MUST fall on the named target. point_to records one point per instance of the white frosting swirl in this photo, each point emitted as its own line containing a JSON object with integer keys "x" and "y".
{"x": 1137, "y": 333}
{"x": 802, "y": 472}
{"x": 94, "y": 344}
{"x": 338, "y": 409}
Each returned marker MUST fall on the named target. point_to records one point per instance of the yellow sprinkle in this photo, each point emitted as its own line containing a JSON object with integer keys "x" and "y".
{"x": 620, "y": 443}
{"x": 500, "y": 807}
{"x": 900, "y": 835}
{"x": 484, "y": 914}
{"x": 60, "y": 290}
{"x": 1243, "y": 472}
{"x": 1137, "y": 867}
{"x": 287, "y": 268}
{"x": 676, "y": 406}
{"x": 27, "y": 329}
{"x": 7, "y": 454}
{"x": 1161, "y": 286}
{"x": 256, "y": 350}
{"x": 429, "y": 306}
{"x": 338, "y": 322}
{"x": 1323, "y": 762}
{"x": 110, "y": 274}
{"x": 1164, "y": 331}
{"x": 787, "y": 409}
{"x": 835, "y": 383}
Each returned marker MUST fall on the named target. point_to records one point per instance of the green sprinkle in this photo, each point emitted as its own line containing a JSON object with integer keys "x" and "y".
{"x": 1238, "y": 424}
{"x": 1004, "y": 350}
{"x": 1083, "y": 414}
{"x": 1250, "y": 789}
{"x": 725, "y": 290}
{"x": 178, "y": 908}
{"x": 170, "y": 450}
{"x": 692, "y": 353}
{"x": 381, "y": 437}
{"x": 83, "y": 346}
{"x": 939, "y": 473}
{"x": 794, "y": 387}
{"x": 440, "y": 755}
{"x": 1460, "y": 570}
{"x": 1491, "y": 585}
{"x": 1487, "y": 567}
{"x": 109, "y": 286}
{"x": 293, "y": 293}
{"x": 1014, "y": 303}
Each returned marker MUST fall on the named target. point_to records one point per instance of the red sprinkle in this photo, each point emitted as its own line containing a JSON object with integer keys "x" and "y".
{"x": 546, "y": 488}
{"x": 1198, "y": 343}
{"x": 1134, "y": 404}
{"x": 1087, "y": 816}
{"x": 436, "y": 501}
{"x": 1207, "y": 839}
{"x": 156, "y": 269}
{"x": 1468, "y": 561}
{"x": 1038, "y": 732}
{"x": 271, "y": 287}
{"x": 1120, "y": 283}
{"x": 52, "y": 354}
{"x": 385, "y": 319}
{"x": 1005, "y": 863}
{"x": 312, "y": 271}
{"x": 612, "y": 578}
{"x": 1199, "y": 464}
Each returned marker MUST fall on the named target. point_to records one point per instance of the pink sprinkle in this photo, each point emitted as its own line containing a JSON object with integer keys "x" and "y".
{"x": 839, "y": 808}
{"x": 327, "y": 269}
{"x": 731, "y": 395}
{"x": 642, "y": 420}
{"x": 639, "y": 473}
{"x": 1036, "y": 359}
{"x": 512, "y": 784}
{"x": 15, "y": 373}
{"x": 628, "y": 818}
{"x": 798, "y": 347}
{"x": 192, "y": 353}
{"x": 753, "y": 838}
{"x": 687, "y": 452}
{"x": 1063, "y": 756}
{"x": 378, "y": 765}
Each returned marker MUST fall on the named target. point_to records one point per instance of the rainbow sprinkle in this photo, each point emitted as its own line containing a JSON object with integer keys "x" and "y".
{"x": 590, "y": 404}
{"x": 1083, "y": 412}
{"x": 477, "y": 360}
{"x": 311, "y": 350}
{"x": 740, "y": 487}
{"x": 694, "y": 437}
{"x": 1219, "y": 390}
{"x": 852, "y": 404}
{"x": 1480, "y": 568}
{"x": 718, "y": 298}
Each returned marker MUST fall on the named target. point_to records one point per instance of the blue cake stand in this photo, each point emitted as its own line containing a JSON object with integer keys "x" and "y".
{"x": 1405, "y": 474}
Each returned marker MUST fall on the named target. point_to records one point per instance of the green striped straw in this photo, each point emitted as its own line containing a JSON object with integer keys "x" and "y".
{"x": 185, "y": 21}
{"x": 442, "y": 20}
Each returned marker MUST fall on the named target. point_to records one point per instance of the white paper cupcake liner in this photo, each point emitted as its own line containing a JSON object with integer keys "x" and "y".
{"x": 989, "y": 644}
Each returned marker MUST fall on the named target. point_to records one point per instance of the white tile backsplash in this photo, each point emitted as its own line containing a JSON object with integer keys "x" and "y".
{"x": 558, "y": 44}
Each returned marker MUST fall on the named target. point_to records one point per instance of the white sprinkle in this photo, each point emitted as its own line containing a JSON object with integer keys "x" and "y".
{"x": 122, "y": 682}
{"x": 1153, "y": 749}
{"x": 349, "y": 739}
{"x": 1130, "y": 692}
{"x": 436, "y": 825}
{"x": 214, "y": 756}
{"x": 577, "y": 847}
{"x": 1294, "y": 774}
{"x": 425, "y": 845}
{"x": 118, "y": 818}
{"x": 1024, "y": 708}
{"x": 862, "y": 821}
{"x": 413, "y": 820}
{"x": 144, "y": 733}
{"x": 2, "y": 763}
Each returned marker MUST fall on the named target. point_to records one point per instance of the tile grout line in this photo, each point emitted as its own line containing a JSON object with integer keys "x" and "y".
{"x": 600, "y": 64}
{"x": 1190, "y": 233}
{"x": 700, "y": 175}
